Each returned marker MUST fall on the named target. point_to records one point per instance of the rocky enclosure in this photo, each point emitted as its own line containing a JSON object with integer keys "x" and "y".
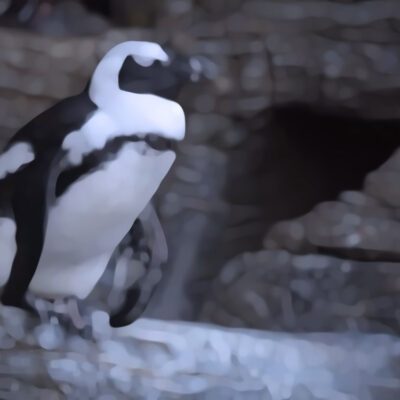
{"x": 267, "y": 228}
{"x": 168, "y": 360}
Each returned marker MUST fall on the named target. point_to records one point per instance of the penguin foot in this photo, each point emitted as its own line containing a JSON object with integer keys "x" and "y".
{"x": 66, "y": 313}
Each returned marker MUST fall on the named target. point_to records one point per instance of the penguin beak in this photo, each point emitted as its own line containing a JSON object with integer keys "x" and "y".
{"x": 192, "y": 68}
{"x": 202, "y": 67}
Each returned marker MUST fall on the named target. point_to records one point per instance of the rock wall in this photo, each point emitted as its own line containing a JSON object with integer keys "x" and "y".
{"x": 328, "y": 53}
{"x": 334, "y": 268}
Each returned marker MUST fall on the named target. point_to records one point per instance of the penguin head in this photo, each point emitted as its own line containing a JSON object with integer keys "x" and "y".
{"x": 136, "y": 85}
{"x": 162, "y": 76}
{"x": 147, "y": 68}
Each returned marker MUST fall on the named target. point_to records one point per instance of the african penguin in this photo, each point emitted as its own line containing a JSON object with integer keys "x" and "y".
{"x": 74, "y": 180}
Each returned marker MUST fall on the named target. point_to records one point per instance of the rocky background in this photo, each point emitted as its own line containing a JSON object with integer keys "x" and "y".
{"x": 282, "y": 210}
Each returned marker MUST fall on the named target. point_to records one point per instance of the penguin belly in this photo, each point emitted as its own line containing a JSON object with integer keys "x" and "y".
{"x": 91, "y": 218}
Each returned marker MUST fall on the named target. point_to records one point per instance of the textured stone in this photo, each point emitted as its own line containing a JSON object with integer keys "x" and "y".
{"x": 354, "y": 52}
{"x": 276, "y": 290}
{"x": 158, "y": 360}
{"x": 361, "y": 224}
{"x": 327, "y": 280}
{"x": 323, "y": 52}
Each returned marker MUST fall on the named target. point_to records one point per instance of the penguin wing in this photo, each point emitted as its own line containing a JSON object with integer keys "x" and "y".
{"x": 29, "y": 209}
{"x": 32, "y": 187}
{"x": 137, "y": 266}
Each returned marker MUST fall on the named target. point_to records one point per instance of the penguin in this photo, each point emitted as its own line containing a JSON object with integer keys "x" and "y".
{"x": 75, "y": 179}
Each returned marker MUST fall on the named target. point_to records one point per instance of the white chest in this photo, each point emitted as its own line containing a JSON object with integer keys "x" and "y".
{"x": 92, "y": 217}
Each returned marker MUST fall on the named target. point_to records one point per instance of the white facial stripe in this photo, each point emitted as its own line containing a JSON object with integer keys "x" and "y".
{"x": 15, "y": 157}
{"x": 135, "y": 113}
{"x": 144, "y": 61}
{"x": 104, "y": 81}
{"x": 142, "y": 49}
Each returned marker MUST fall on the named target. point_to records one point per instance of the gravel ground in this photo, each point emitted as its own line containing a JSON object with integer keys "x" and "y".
{"x": 152, "y": 359}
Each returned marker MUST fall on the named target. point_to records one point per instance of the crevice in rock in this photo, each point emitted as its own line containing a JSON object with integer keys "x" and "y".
{"x": 296, "y": 156}
{"x": 328, "y": 196}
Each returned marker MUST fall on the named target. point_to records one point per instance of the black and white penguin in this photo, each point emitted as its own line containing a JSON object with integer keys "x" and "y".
{"x": 74, "y": 180}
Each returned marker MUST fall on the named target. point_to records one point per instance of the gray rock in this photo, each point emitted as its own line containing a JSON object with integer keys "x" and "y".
{"x": 361, "y": 225}
{"x": 167, "y": 360}
{"x": 276, "y": 290}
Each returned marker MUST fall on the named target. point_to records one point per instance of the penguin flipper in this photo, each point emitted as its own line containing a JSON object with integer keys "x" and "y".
{"x": 147, "y": 238}
{"x": 30, "y": 210}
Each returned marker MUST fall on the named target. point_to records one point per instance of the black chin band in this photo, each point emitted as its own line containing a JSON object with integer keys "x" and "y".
{"x": 153, "y": 140}
{"x": 93, "y": 160}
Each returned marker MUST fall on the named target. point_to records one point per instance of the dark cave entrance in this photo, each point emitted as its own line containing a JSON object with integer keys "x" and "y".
{"x": 294, "y": 157}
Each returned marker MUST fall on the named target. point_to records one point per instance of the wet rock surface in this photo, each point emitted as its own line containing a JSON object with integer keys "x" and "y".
{"x": 152, "y": 359}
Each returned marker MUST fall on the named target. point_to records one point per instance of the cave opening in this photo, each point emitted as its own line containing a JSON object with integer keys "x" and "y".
{"x": 296, "y": 156}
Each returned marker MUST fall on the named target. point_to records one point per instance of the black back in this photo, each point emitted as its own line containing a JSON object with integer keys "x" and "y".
{"x": 45, "y": 133}
{"x": 27, "y": 192}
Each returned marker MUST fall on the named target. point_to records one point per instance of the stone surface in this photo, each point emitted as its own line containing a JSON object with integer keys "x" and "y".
{"x": 339, "y": 269}
{"x": 360, "y": 224}
{"x": 159, "y": 360}
{"x": 277, "y": 290}
{"x": 319, "y": 52}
